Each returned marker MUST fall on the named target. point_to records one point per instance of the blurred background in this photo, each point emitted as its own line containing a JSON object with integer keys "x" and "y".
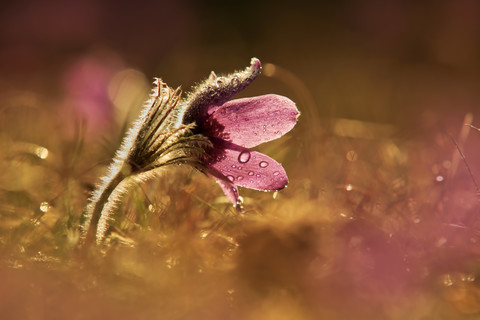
{"x": 383, "y": 61}
{"x": 381, "y": 212}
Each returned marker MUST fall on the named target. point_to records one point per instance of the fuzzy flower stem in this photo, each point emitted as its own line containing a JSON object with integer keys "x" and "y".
{"x": 99, "y": 203}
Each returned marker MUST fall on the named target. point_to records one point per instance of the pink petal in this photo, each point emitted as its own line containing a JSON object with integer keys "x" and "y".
{"x": 247, "y": 168}
{"x": 227, "y": 186}
{"x": 250, "y": 121}
{"x": 230, "y": 191}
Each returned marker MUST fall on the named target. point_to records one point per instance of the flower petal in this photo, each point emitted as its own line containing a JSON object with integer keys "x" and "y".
{"x": 230, "y": 191}
{"x": 249, "y": 122}
{"x": 246, "y": 168}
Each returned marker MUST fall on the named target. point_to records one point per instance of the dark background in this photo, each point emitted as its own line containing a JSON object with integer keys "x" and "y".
{"x": 382, "y": 61}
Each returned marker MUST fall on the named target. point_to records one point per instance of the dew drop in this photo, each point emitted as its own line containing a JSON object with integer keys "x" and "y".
{"x": 263, "y": 164}
{"x": 251, "y": 173}
{"x": 240, "y": 200}
{"x": 276, "y": 173}
{"x": 41, "y": 152}
{"x": 239, "y": 178}
{"x": 447, "y": 280}
{"x": 244, "y": 156}
{"x": 470, "y": 278}
{"x": 44, "y": 206}
{"x": 234, "y": 166}
{"x": 264, "y": 128}
{"x": 231, "y": 178}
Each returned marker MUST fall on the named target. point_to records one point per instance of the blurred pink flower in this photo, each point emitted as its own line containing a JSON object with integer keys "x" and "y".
{"x": 237, "y": 125}
{"x": 86, "y": 85}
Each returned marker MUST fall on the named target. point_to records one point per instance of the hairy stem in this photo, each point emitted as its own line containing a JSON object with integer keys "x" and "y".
{"x": 97, "y": 205}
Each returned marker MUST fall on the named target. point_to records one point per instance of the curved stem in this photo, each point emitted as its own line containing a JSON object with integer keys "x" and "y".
{"x": 97, "y": 205}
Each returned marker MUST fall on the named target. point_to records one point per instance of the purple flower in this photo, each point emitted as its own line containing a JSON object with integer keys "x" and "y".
{"x": 237, "y": 125}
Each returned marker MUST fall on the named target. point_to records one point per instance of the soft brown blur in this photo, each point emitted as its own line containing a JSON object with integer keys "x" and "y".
{"x": 380, "y": 219}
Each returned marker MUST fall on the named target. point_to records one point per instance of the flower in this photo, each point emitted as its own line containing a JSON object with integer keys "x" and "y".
{"x": 237, "y": 125}
{"x": 156, "y": 140}
{"x": 206, "y": 131}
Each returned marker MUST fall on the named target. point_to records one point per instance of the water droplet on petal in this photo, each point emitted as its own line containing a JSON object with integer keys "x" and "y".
{"x": 251, "y": 173}
{"x": 234, "y": 166}
{"x": 276, "y": 173}
{"x": 231, "y": 178}
{"x": 244, "y": 156}
{"x": 263, "y": 164}
{"x": 239, "y": 178}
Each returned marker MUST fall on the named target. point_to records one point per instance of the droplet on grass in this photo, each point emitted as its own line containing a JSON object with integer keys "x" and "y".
{"x": 41, "y": 152}
{"x": 45, "y": 206}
